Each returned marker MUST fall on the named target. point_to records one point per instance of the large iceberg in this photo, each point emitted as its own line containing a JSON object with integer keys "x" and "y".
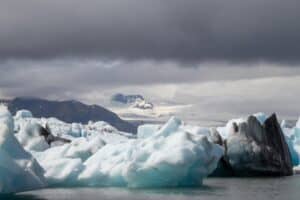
{"x": 19, "y": 171}
{"x": 169, "y": 155}
{"x": 256, "y": 148}
{"x": 249, "y": 138}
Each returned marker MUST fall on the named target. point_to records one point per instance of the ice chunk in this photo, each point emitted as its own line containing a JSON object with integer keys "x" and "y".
{"x": 293, "y": 141}
{"x": 255, "y": 149}
{"x": 64, "y": 163}
{"x": 75, "y": 130}
{"x": 283, "y": 124}
{"x": 19, "y": 171}
{"x": 63, "y": 171}
{"x": 147, "y": 130}
{"x": 170, "y": 127}
{"x": 231, "y": 124}
{"x": 30, "y": 138}
{"x": 23, "y": 114}
{"x": 298, "y": 123}
{"x": 169, "y": 157}
{"x": 296, "y": 169}
{"x": 173, "y": 154}
{"x": 261, "y": 117}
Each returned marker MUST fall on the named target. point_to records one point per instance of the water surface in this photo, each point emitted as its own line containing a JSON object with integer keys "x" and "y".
{"x": 286, "y": 188}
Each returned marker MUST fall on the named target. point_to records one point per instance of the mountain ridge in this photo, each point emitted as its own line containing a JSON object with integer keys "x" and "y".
{"x": 68, "y": 111}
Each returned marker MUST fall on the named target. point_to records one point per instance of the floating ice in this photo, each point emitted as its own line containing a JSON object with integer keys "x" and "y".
{"x": 147, "y": 130}
{"x": 167, "y": 157}
{"x": 261, "y": 117}
{"x": 298, "y": 123}
{"x": 292, "y": 135}
{"x": 173, "y": 155}
{"x": 19, "y": 171}
{"x": 74, "y": 130}
{"x": 30, "y": 138}
{"x": 224, "y": 131}
{"x": 293, "y": 140}
{"x": 64, "y": 163}
{"x": 23, "y": 114}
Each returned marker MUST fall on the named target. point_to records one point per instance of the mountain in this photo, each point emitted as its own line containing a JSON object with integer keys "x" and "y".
{"x": 126, "y": 98}
{"x": 69, "y": 111}
{"x": 133, "y": 100}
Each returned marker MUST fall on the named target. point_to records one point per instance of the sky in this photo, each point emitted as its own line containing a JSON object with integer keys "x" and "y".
{"x": 228, "y": 56}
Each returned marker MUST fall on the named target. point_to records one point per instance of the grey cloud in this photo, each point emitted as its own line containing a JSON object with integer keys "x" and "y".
{"x": 65, "y": 79}
{"x": 188, "y": 31}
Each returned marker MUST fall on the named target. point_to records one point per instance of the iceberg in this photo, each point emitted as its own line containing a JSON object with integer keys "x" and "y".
{"x": 23, "y": 114}
{"x": 256, "y": 146}
{"x": 293, "y": 140}
{"x": 298, "y": 123}
{"x": 169, "y": 155}
{"x": 30, "y": 138}
{"x": 64, "y": 163}
{"x": 69, "y": 130}
{"x": 165, "y": 155}
{"x": 225, "y": 131}
{"x": 19, "y": 171}
{"x": 147, "y": 130}
{"x": 40, "y": 152}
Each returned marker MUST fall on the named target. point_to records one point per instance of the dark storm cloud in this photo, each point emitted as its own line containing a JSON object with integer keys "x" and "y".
{"x": 180, "y": 30}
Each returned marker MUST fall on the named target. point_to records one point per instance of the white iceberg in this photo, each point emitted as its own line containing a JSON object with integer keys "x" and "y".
{"x": 293, "y": 140}
{"x": 19, "y": 171}
{"x": 23, "y": 114}
{"x": 168, "y": 157}
{"x": 227, "y": 129}
{"x": 64, "y": 163}
{"x": 147, "y": 130}
{"x": 162, "y": 156}
{"x": 298, "y": 123}
{"x": 30, "y": 138}
{"x": 69, "y": 131}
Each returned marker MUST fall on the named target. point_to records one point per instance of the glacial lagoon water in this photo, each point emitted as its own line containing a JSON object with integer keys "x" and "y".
{"x": 284, "y": 188}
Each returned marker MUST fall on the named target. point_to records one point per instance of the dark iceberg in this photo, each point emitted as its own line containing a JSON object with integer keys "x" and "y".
{"x": 254, "y": 149}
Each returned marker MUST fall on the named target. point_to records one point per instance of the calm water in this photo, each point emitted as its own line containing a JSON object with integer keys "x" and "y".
{"x": 287, "y": 188}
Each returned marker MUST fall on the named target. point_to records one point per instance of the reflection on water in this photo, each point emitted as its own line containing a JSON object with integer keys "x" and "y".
{"x": 213, "y": 189}
{"x": 20, "y": 197}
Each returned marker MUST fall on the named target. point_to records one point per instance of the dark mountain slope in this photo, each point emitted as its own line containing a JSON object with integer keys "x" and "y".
{"x": 69, "y": 111}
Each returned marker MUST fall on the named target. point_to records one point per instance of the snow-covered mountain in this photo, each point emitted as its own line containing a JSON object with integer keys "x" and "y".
{"x": 131, "y": 100}
{"x": 126, "y": 99}
{"x": 136, "y": 108}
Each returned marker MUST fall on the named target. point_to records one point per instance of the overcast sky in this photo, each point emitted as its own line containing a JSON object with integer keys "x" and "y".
{"x": 235, "y": 56}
